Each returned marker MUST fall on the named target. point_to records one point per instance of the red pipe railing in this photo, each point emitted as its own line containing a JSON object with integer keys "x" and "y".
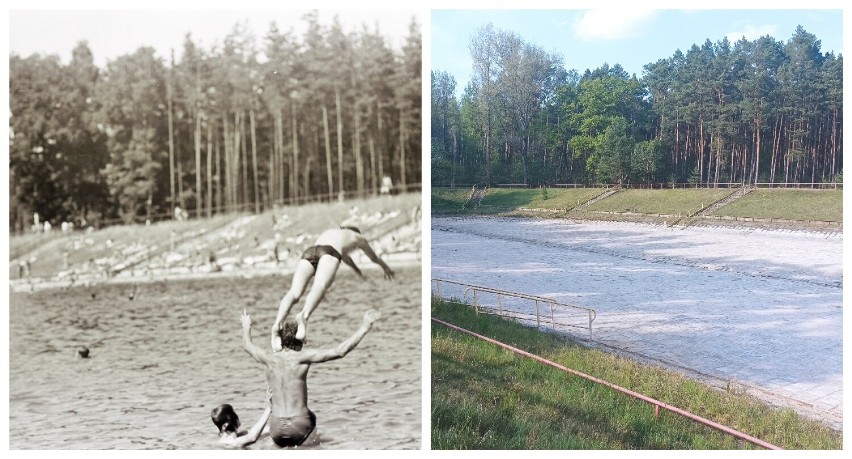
{"x": 657, "y": 404}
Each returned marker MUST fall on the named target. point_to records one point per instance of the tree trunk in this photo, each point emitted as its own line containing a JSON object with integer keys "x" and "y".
{"x": 235, "y": 164}
{"x": 254, "y": 163}
{"x": 699, "y": 145}
{"x": 218, "y": 174}
{"x": 356, "y": 147}
{"x": 179, "y": 173}
{"x": 271, "y": 183}
{"x": 294, "y": 174}
{"x": 327, "y": 152}
{"x": 339, "y": 145}
{"x": 279, "y": 130}
{"x": 171, "y": 153}
{"x": 226, "y": 175}
{"x": 244, "y": 160}
{"x": 455, "y": 159}
{"x": 402, "y": 149}
{"x": 209, "y": 168}
{"x": 197, "y": 137}
{"x": 757, "y": 136}
{"x": 776, "y": 147}
{"x": 380, "y": 147}
{"x": 833, "y": 144}
{"x": 374, "y": 162}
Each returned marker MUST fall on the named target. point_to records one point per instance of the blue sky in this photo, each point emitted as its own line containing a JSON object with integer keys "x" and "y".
{"x": 586, "y": 39}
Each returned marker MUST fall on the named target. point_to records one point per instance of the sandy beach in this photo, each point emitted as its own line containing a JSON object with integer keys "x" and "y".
{"x": 757, "y": 310}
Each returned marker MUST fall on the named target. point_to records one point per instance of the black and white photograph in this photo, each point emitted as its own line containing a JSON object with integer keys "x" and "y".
{"x": 215, "y": 234}
{"x": 598, "y": 226}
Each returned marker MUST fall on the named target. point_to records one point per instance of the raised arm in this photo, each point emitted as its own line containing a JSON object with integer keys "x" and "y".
{"x": 365, "y": 247}
{"x": 254, "y": 433}
{"x": 348, "y": 260}
{"x": 255, "y": 351}
{"x": 324, "y": 355}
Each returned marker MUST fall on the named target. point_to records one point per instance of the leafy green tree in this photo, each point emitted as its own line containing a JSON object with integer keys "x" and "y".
{"x": 647, "y": 161}
{"x": 611, "y": 158}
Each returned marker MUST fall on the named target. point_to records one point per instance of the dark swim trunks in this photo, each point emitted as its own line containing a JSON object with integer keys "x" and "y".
{"x": 291, "y": 431}
{"x": 314, "y": 253}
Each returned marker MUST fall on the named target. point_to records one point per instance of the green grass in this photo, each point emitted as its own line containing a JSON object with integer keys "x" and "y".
{"x": 787, "y": 204}
{"x": 449, "y": 200}
{"x": 484, "y": 397}
{"x": 666, "y": 202}
{"x": 535, "y": 198}
{"x": 810, "y": 205}
{"x": 452, "y": 200}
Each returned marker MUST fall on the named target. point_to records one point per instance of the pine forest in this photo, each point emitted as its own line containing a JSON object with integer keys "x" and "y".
{"x": 245, "y": 124}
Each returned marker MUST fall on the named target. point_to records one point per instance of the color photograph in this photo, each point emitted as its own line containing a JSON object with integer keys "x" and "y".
{"x": 636, "y": 229}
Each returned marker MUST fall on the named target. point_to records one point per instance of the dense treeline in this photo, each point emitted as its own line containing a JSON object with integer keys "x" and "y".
{"x": 237, "y": 126}
{"x": 748, "y": 112}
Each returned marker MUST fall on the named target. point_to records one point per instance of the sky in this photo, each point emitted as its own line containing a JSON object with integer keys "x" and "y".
{"x": 586, "y": 39}
{"x": 115, "y": 32}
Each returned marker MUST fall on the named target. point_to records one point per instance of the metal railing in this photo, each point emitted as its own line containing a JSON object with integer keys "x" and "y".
{"x": 500, "y": 310}
{"x": 660, "y": 185}
{"x": 656, "y": 403}
{"x": 202, "y": 212}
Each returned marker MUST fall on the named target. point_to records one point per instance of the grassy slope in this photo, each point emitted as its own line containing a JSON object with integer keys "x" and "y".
{"x": 552, "y": 198}
{"x": 484, "y": 397}
{"x": 812, "y": 205}
{"x": 666, "y": 202}
{"x": 119, "y": 243}
{"x": 799, "y": 204}
{"x": 452, "y": 200}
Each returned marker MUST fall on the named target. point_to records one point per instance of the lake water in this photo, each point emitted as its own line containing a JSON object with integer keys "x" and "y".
{"x": 161, "y": 361}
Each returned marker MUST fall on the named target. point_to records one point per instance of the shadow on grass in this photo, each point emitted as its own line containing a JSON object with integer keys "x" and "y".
{"x": 485, "y": 397}
{"x": 498, "y": 404}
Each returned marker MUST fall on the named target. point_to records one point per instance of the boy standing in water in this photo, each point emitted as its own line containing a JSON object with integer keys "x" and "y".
{"x": 321, "y": 261}
{"x": 291, "y": 422}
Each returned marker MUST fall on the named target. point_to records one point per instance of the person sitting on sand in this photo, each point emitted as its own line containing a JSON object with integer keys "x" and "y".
{"x": 321, "y": 261}
{"x": 226, "y": 419}
{"x": 292, "y": 423}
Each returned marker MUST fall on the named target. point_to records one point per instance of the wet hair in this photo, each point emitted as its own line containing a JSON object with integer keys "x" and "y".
{"x": 287, "y": 333}
{"x": 225, "y": 418}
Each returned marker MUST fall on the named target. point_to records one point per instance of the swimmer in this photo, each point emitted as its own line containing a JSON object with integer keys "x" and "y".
{"x": 321, "y": 261}
{"x": 291, "y": 422}
{"x": 226, "y": 419}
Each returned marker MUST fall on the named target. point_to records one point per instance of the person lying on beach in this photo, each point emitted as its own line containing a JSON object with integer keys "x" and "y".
{"x": 321, "y": 261}
{"x": 291, "y": 422}
{"x": 226, "y": 419}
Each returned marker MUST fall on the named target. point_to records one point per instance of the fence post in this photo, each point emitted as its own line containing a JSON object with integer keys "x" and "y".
{"x": 590, "y": 325}
{"x": 537, "y": 316}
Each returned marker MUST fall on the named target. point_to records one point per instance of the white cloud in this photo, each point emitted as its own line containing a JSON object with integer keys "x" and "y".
{"x": 611, "y": 24}
{"x": 752, "y": 33}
